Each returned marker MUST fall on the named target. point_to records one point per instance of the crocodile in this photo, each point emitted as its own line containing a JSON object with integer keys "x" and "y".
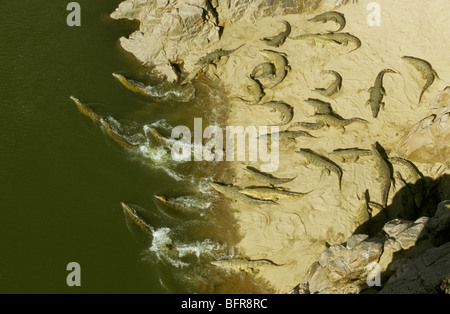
{"x": 116, "y": 137}
{"x": 267, "y": 178}
{"x": 425, "y": 68}
{"x": 286, "y": 111}
{"x": 279, "y": 39}
{"x": 334, "y": 16}
{"x": 351, "y": 153}
{"x": 174, "y": 204}
{"x": 321, "y": 161}
{"x": 86, "y": 110}
{"x": 233, "y": 192}
{"x": 243, "y": 264}
{"x": 334, "y": 87}
{"x": 377, "y": 92}
{"x": 385, "y": 175}
{"x": 281, "y": 65}
{"x": 308, "y": 125}
{"x": 415, "y": 178}
{"x": 157, "y": 136}
{"x": 285, "y": 136}
{"x": 405, "y": 194}
{"x": 343, "y": 39}
{"x": 375, "y": 208}
{"x": 322, "y": 107}
{"x": 333, "y": 121}
{"x": 193, "y": 75}
{"x": 132, "y": 214}
{"x": 271, "y": 194}
{"x": 263, "y": 70}
{"x": 203, "y": 62}
{"x": 131, "y": 85}
{"x": 317, "y": 39}
{"x": 215, "y": 56}
{"x": 364, "y": 213}
{"x": 256, "y": 90}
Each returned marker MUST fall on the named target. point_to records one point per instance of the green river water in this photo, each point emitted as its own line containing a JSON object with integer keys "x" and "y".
{"x": 63, "y": 179}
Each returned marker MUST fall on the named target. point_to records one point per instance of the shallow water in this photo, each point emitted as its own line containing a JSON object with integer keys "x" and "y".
{"x": 63, "y": 180}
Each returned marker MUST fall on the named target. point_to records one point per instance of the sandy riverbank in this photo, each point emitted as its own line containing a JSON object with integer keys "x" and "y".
{"x": 295, "y": 232}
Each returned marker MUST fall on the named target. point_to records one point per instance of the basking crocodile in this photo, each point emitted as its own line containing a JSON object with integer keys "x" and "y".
{"x": 263, "y": 70}
{"x": 377, "y": 92}
{"x": 203, "y": 62}
{"x": 317, "y": 39}
{"x": 375, "y": 208}
{"x": 384, "y": 171}
{"x": 285, "y": 136}
{"x": 334, "y": 16}
{"x": 271, "y": 194}
{"x": 286, "y": 111}
{"x": 86, "y": 110}
{"x": 193, "y": 75}
{"x": 343, "y": 39}
{"x": 321, "y": 161}
{"x": 116, "y": 137}
{"x": 131, "y": 85}
{"x": 406, "y": 193}
{"x": 425, "y": 68}
{"x": 322, "y": 107}
{"x": 350, "y": 153}
{"x": 137, "y": 219}
{"x": 267, "y": 178}
{"x": 256, "y": 90}
{"x": 333, "y": 121}
{"x": 243, "y": 264}
{"x": 364, "y": 213}
{"x": 279, "y": 39}
{"x": 415, "y": 178}
{"x": 334, "y": 87}
{"x": 215, "y": 56}
{"x": 233, "y": 192}
{"x": 308, "y": 125}
{"x": 280, "y": 63}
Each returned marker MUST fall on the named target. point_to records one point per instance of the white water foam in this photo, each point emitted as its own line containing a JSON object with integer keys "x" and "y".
{"x": 207, "y": 247}
{"x": 164, "y": 94}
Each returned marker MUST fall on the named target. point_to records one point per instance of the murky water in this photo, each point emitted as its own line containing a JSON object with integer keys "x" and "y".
{"x": 63, "y": 180}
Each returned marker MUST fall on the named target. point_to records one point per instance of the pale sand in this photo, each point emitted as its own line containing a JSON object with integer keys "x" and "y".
{"x": 295, "y": 232}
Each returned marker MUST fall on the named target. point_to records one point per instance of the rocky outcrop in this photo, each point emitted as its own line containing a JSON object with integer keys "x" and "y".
{"x": 425, "y": 274}
{"x": 171, "y": 29}
{"x": 410, "y": 254}
{"x": 230, "y": 11}
{"x": 429, "y": 140}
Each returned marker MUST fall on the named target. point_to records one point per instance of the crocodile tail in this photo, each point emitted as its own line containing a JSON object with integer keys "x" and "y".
{"x": 430, "y": 81}
{"x": 389, "y": 71}
{"x": 435, "y": 74}
{"x": 359, "y": 120}
{"x": 248, "y": 102}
